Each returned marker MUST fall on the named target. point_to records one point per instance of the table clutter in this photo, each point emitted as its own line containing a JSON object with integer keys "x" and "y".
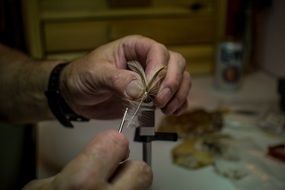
{"x": 247, "y": 163}
{"x": 214, "y": 138}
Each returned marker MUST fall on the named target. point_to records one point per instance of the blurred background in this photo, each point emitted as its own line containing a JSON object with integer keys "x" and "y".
{"x": 66, "y": 29}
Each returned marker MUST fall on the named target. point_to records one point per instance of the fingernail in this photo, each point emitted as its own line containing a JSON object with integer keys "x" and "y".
{"x": 133, "y": 89}
{"x": 163, "y": 96}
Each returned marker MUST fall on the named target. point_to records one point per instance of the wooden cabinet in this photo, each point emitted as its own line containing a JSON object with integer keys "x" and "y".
{"x": 67, "y": 28}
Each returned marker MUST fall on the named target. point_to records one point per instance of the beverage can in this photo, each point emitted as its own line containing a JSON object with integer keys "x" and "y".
{"x": 228, "y": 71}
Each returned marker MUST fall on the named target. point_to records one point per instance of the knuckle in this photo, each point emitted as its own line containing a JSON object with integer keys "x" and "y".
{"x": 164, "y": 49}
{"x": 145, "y": 171}
{"x": 135, "y": 36}
{"x": 187, "y": 78}
{"x": 161, "y": 46}
{"x": 180, "y": 60}
{"x": 142, "y": 167}
{"x": 174, "y": 85}
{"x": 138, "y": 36}
{"x": 179, "y": 99}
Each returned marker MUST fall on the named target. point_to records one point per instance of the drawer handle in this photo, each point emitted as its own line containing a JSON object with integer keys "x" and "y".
{"x": 196, "y": 6}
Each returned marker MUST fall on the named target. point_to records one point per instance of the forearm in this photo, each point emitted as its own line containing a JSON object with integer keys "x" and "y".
{"x": 23, "y": 82}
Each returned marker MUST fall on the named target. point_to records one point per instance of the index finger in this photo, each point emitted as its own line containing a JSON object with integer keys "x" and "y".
{"x": 105, "y": 153}
{"x": 157, "y": 58}
{"x": 151, "y": 54}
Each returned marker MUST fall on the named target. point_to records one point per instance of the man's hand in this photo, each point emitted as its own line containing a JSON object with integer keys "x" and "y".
{"x": 99, "y": 167}
{"x": 95, "y": 85}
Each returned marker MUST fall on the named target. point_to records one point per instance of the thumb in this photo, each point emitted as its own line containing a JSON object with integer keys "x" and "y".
{"x": 125, "y": 82}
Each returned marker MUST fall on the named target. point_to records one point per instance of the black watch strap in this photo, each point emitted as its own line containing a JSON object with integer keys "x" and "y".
{"x": 60, "y": 109}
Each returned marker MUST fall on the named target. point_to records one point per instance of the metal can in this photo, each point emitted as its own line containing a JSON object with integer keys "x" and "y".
{"x": 228, "y": 71}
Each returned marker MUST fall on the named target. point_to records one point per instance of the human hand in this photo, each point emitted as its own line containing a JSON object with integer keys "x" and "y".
{"x": 95, "y": 85}
{"x": 98, "y": 167}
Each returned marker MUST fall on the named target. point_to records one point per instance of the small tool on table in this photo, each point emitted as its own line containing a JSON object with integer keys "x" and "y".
{"x": 145, "y": 132}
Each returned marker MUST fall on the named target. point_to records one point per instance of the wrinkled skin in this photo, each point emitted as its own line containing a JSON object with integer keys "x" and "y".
{"x": 101, "y": 80}
{"x": 99, "y": 167}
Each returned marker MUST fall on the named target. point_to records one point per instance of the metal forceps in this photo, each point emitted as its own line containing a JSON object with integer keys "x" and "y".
{"x": 123, "y": 121}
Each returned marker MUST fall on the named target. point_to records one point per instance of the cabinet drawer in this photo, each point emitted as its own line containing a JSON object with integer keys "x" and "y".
{"x": 199, "y": 58}
{"x": 169, "y": 31}
{"x": 84, "y": 35}
{"x": 74, "y": 36}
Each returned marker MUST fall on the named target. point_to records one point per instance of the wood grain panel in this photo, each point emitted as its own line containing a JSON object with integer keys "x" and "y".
{"x": 169, "y": 31}
{"x": 74, "y": 36}
{"x": 199, "y": 58}
{"x": 83, "y": 35}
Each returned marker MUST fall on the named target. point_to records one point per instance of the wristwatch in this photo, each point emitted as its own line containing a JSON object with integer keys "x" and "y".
{"x": 58, "y": 106}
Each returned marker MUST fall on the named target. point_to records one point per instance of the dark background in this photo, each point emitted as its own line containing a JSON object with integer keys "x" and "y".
{"x": 17, "y": 143}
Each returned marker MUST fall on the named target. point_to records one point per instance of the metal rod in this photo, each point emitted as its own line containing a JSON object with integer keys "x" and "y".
{"x": 147, "y": 152}
{"x": 146, "y": 121}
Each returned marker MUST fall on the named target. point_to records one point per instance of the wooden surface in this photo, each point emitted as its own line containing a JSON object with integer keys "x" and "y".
{"x": 55, "y": 28}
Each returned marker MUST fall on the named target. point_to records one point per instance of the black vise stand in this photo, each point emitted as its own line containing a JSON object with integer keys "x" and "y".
{"x": 145, "y": 133}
